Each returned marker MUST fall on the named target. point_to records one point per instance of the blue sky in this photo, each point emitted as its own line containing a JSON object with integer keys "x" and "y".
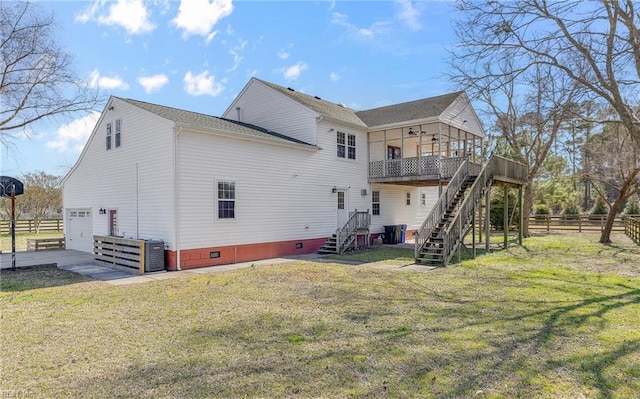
{"x": 199, "y": 54}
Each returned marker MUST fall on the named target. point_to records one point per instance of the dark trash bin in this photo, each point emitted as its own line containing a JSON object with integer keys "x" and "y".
{"x": 389, "y": 235}
{"x": 403, "y": 233}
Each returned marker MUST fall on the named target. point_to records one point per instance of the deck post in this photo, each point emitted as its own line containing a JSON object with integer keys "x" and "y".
{"x": 505, "y": 226}
{"x": 521, "y": 223}
{"x": 487, "y": 216}
{"x": 473, "y": 231}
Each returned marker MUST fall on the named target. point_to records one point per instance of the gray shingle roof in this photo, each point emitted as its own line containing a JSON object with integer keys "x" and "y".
{"x": 409, "y": 111}
{"x": 198, "y": 120}
{"x": 323, "y": 107}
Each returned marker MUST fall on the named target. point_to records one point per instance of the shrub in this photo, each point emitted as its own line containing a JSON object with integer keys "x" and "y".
{"x": 571, "y": 211}
{"x": 542, "y": 211}
{"x": 600, "y": 209}
{"x": 633, "y": 207}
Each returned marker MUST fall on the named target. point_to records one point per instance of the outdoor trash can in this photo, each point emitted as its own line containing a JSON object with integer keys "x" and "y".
{"x": 389, "y": 235}
{"x": 403, "y": 233}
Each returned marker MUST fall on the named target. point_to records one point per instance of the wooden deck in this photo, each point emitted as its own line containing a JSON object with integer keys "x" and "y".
{"x": 433, "y": 171}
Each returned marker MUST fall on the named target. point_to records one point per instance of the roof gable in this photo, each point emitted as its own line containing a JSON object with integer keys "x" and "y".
{"x": 426, "y": 108}
{"x": 327, "y": 109}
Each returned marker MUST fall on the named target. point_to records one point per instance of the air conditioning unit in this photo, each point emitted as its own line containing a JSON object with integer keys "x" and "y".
{"x": 153, "y": 255}
{"x": 364, "y": 192}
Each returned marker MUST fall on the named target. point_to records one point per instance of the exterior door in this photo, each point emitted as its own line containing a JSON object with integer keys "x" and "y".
{"x": 113, "y": 222}
{"x": 343, "y": 208}
{"x": 79, "y": 230}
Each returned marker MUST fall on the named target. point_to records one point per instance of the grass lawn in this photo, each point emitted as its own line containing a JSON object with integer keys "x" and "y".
{"x": 21, "y": 240}
{"x": 558, "y": 318}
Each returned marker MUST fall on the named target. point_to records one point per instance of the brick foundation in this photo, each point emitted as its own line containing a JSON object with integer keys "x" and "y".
{"x": 202, "y": 257}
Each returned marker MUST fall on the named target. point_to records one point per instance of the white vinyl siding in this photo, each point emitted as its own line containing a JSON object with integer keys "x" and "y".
{"x": 393, "y": 200}
{"x": 281, "y": 193}
{"x": 137, "y": 180}
{"x": 263, "y": 106}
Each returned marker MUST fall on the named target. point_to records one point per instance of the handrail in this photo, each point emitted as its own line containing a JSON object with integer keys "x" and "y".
{"x": 357, "y": 220}
{"x": 496, "y": 165}
{"x": 432, "y": 220}
{"x": 467, "y": 207}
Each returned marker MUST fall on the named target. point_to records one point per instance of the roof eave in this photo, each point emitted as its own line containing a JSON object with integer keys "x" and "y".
{"x": 412, "y": 122}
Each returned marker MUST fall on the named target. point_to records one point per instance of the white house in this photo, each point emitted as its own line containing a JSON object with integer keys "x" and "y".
{"x": 276, "y": 175}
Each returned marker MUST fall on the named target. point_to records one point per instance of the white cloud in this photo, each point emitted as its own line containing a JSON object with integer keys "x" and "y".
{"x": 376, "y": 29}
{"x": 202, "y": 84}
{"x": 198, "y": 17}
{"x": 409, "y": 15}
{"x": 334, "y": 77}
{"x": 72, "y": 136}
{"x": 235, "y": 52}
{"x": 132, "y": 15}
{"x": 283, "y": 55}
{"x": 293, "y": 72}
{"x": 153, "y": 83}
{"x": 105, "y": 82}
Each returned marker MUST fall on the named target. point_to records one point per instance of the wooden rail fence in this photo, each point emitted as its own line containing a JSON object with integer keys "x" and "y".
{"x": 632, "y": 229}
{"x": 577, "y": 223}
{"x": 116, "y": 251}
{"x": 29, "y": 226}
{"x": 43, "y": 244}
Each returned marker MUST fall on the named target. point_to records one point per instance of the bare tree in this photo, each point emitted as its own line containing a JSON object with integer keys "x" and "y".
{"x": 37, "y": 80}
{"x": 42, "y": 196}
{"x": 594, "y": 43}
{"x": 615, "y": 168}
{"x": 528, "y": 110}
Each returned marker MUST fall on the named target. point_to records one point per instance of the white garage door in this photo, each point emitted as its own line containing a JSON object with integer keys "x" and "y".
{"x": 79, "y": 230}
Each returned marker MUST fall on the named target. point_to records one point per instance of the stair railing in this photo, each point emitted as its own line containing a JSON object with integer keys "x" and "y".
{"x": 463, "y": 217}
{"x": 357, "y": 221}
{"x": 422, "y": 234}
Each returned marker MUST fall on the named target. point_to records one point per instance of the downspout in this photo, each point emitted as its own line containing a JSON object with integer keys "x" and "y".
{"x": 176, "y": 197}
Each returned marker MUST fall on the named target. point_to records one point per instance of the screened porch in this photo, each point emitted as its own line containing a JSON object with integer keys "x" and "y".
{"x": 422, "y": 154}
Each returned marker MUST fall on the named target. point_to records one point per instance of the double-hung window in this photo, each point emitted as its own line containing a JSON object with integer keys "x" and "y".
{"x": 226, "y": 200}
{"x": 375, "y": 203}
{"x": 346, "y": 145}
{"x": 108, "y": 136}
{"x": 118, "y": 131}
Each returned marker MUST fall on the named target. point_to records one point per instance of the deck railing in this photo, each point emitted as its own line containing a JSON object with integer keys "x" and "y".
{"x": 345, "y": 234}
{"x": 434, "y": 217}
{"x": 430, "y": 165}
{"x": 509, "y": 169}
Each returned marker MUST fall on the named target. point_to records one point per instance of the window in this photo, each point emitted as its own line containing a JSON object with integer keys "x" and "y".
{"x": 108, "y": 136}
{"x": 408, "y": 198}
{"x": 346, "y": 145}
{"x": 375, "y": 202}
{"x": 340, "y": 199}
{"x": 226, "y": 200}
{"x": 351, "y": 146}
{"x": 118, "y": 131}
{"x": 394, "y": 152}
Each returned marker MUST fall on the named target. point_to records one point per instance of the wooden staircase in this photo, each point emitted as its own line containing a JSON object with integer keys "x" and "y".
{"x": 432, "y": 252}
{"x": 450, "y": 220}
{"x": 347, "y": 235}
